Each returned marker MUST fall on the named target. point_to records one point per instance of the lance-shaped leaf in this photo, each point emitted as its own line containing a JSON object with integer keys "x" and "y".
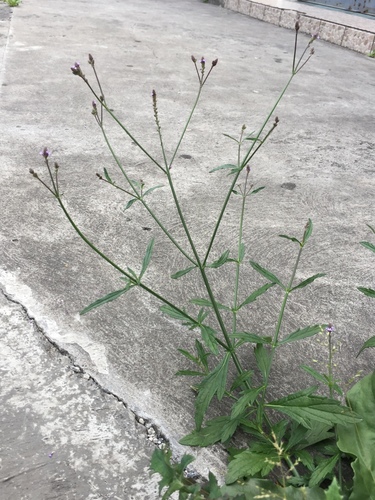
{"x": 299, "y": 334}
{"x": 221, "y": 260}
{"x": 359, "y": 440}
{"x": 256, "y": 294}
{"x": 208, "y": 337}
{"x": 252, "y": 338}
{"x": 290, "y": 238}
{"x": 324, "y": 468}
{"x": 304, "y": 408}
{"x": 182, "y": 272}
{"x": 130, "y": 203}
{"x": 225, "y": 167}
{"x": 147, "y": 258}
{"x": 214, "y": 383}
{"x": 369, "y": 343}
{"x": 248, "y": 398}
{"x": 151, "y": 189}
{"x": 266, "y": 274}
{"x": 241, "y": 252}
{"x": 215, "y": 430}
{"x": 208, "y": 303}
{"x": 368, "y": 245}
{"x": 106, "y": 175}
{"x": 107, "y": 298}
{"x": 241, "y": 379}
{"x": 308, "y": 232}
{"x": 367, "y": 291}
{"x": 248, "y": 463}
{"x": 308, "y": 281}
{"x": 230, "y": 137}
{"x": 255, "y": 191}
{"x": 263, "y": 358}
{"x": 175, "y": 313}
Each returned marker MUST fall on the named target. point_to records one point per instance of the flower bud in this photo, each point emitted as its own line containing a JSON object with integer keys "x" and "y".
{"x": 193, "y": 59}
{"x": 297, "y": 26}
{"x": 91, "y": 60}
{"x": 214, "y": 63}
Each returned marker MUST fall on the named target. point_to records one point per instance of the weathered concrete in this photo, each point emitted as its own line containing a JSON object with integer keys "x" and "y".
{"x": 319, "y": 164}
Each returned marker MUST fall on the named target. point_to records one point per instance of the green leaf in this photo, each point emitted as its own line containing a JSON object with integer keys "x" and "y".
{"x": 358, "y": 440}
{"x": 214, "y": 383}
{"x": 333, "y": 492}
{"x": 189, "y": 373}
{"x": 372, "y": 229}
{"x": 290, "y": 238}
{"x": 299, "y": 334}
{"x": 319, "y": 432}
{"x": 130, "y": 203}
{"x": 230, "y": 137}
{"x": 150, "y": 190}
{"x": 215, "y": 430}
{"x": 240, "y": 379}
{"x": 266, "y": 274}
{"x": 318, "y": 376}
{"x": 255, "y": 191}
{"x": 147, "y": 257}
{"x": 308, "y": 281}
{"x": 202, "y": 354}
{"x": 248, "y": 398}
{"x": 367, "y": 291}
{"x": 208, "y": 303}
{"x": 224, "y": 167}
{"x": 323, "y": 470}
{"x": 368, "y": 245}
{"x": 220, "y": 261}
{"x": 256, "y": 294}
{"x": 182, "y": 272}
{"x": 189, "y": 356}
{"x": 248, "y": 463}
{"x": 241, "y": 252}
{"x": 305, "y": 458}
{"x": 208, "y": 337}
{"x": 107, "y": 298}
{"x": 308, "y": 232}
{"x": 106, "y": 175}
{"x": 130, "y": 270}
{"x": 369, "y": 343}
{"x": 251, "y": 338}
{"x": 175, "y": 313}
{"x": 263, "y": 359}
{"x": 305, "y": 408}
{"x": 268, "y": 490}
{"x": 160, "y": 463}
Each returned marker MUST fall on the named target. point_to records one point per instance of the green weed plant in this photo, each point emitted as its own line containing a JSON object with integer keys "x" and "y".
{"x": 295, "y": 445}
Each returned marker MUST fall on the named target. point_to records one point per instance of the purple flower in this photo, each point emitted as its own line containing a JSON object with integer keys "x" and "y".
{"x": 203, "y": 61}
{"x": 46, "y": 153}
{"x": 76, "y": 69}
{"x": 50, "y": 455}
{"x": 330, "y": 328}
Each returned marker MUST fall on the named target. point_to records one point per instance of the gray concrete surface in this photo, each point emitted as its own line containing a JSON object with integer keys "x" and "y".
{"x": 319, "y": 164}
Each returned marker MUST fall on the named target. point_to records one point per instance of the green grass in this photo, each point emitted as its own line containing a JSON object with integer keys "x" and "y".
{"x": 13, "y": 3}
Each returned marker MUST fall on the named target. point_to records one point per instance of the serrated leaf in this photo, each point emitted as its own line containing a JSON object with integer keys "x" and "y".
{"x": 266, "y": 274}
{"x": 106, "y": 175}
{"x": 208, "y": 337}
{"x": 256, "y": 294}
{"x": 358, "y": 440}
{"x": 220, "y": 261}
{"x": 177, "y": 275}
{"x": 240, "y": 379}
{"x": 367, "y": 291}
{"x": 263, "y": 359}
{"x": 215, "y": 430}
{"x": 208, "y": 303}
{"x": 224, "y": 167}
{"x": 299, "y": 334}
{"x": 147, "y": 257}
{"x": 291, "y": 238}
{"x": 323, "y": 469}
{"x": 333, "y": 492}
{"x": 202, "y": 354}
{"x": 248, "y": 463}
{"x": 308, "y": 281}
{"x": 319, "y": 432}
{"x": 175, "y": 313}
{"x": 246, "y": 399}
{"x": 151, "y": 189}
{"x": 369, "y": 343}
{"x": 318, "y": 376}
{"x": 130, "y": 203}
{"x": 305, "y": 458}
{"x": 107, "y": 298}
{"x": 305, "y": 408}
{"x": 368, "y": 245}
{"x": 214, "y": 383}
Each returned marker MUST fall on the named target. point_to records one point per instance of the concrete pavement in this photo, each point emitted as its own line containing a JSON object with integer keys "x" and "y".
{"x": 319, "y": 164}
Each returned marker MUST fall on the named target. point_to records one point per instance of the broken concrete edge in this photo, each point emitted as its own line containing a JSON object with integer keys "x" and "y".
{"x": 152, "y": 431}
{"x": 350, "y": 38}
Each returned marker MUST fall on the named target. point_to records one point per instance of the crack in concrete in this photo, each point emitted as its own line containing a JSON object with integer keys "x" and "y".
{"x": 153, "y": 433}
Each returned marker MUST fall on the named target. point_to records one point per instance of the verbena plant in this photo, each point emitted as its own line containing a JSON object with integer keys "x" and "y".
{"x": 293, "y": 445}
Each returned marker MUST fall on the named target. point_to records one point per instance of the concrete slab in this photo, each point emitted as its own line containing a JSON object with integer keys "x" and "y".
{"x": 319, "y": 164}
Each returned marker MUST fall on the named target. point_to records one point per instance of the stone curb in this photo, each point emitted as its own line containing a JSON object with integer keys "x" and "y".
{"x": 351, "y": 38}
